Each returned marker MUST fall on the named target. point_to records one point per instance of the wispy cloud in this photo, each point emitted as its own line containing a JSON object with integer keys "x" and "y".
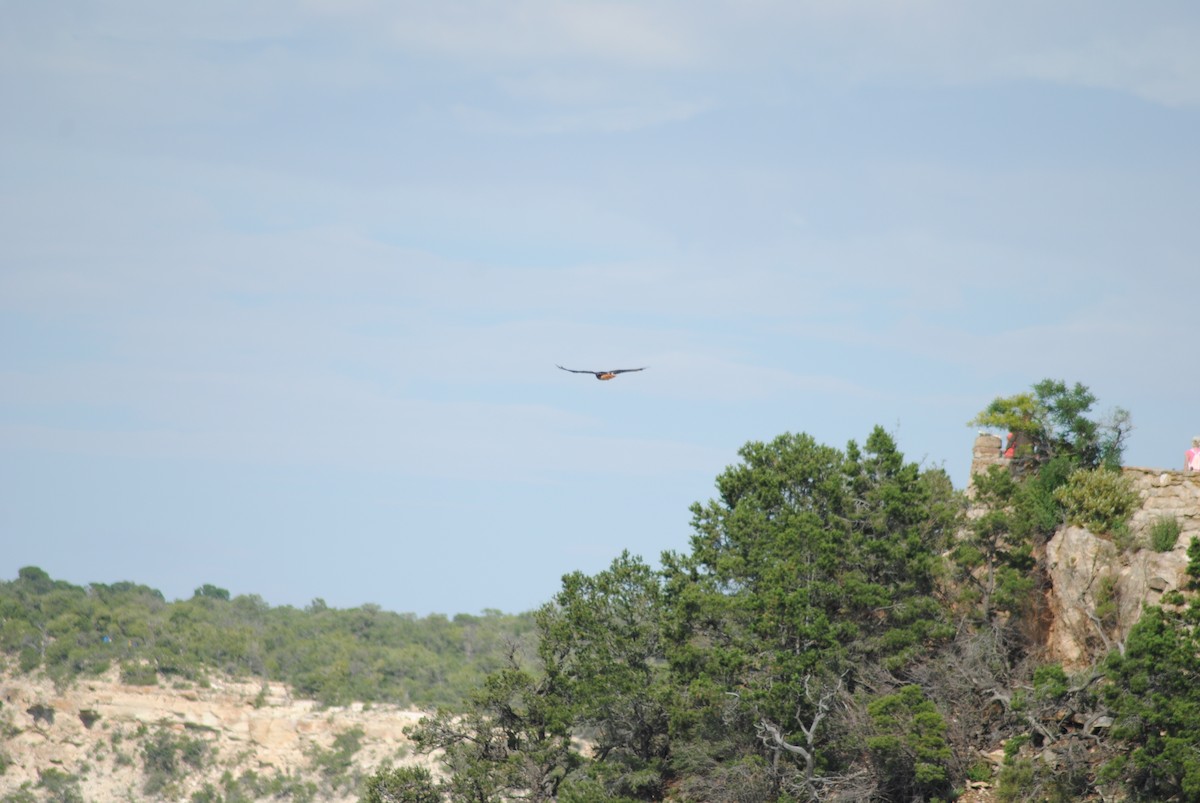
{"x": 531, "y": 31}
{"x": 350, "y": 240}
{"x": 604, "y": 119}
{"x": 1158, "y": 62}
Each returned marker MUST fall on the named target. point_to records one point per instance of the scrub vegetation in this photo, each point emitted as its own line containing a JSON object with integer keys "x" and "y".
{"x": 331, "y": 655}
{"x": 838, "y": 629}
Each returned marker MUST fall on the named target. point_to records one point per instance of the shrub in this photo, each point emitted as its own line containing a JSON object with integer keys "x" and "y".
{"x": 1108, "y": 601}
{"x": 29, "y": 659}
{"x": 1015, "y": 780}
{"x": 1164, "y": 533}
{"x": 162, "y": 755}
{"x": 336, "y": 764}
{"x": 1154, "y": 694}
{"x": 159, "y": 762}
{"x": 1100, "y": 499}
{"x": 909, "y": 747}
{"x": 1050, "y": 681}
{"x": 139, "y": 674}
{"x": 61, "y": 787}
{"x": 402, "y": 785}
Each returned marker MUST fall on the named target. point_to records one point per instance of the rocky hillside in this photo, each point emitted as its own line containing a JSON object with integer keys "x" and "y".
{"x": 102, "y": 740}
{"x": 227, "y": 741}
{"x": 1098, "y": 586}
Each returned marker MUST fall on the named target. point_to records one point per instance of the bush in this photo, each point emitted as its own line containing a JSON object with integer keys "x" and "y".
{"x": 138, "y": 674}
{"x": 336, "y": 764}
{"x": 402, "y": 785}
{"x": 162, "y": 755}
{"x": 61, "y": 787}
{"x": 1100, "y": 499}
{"x": 909, "y": 747}
{"x": 1050, "y": 681}
{"x": 1108, "y": 601}
{"x": 1154, "y": 694}
{"x": 1164, "y": 533}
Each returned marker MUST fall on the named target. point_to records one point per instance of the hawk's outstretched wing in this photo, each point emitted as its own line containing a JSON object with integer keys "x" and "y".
{"x": 606, "y": 374}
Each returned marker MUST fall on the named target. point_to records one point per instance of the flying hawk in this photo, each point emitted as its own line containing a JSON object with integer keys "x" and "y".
{"x": 606, "y": 374}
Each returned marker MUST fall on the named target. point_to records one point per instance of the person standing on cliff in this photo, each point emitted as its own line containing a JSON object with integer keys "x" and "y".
{"x": 1191, "y": 460}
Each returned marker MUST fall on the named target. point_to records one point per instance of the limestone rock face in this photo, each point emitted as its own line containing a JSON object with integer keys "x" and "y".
{"x": 1097, "y": 590}
{"x": 248, "y": 727}
{"x": 1171, "y": 494}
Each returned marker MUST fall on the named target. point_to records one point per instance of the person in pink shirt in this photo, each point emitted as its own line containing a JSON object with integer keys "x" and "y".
{"x": 1191, "y": 461}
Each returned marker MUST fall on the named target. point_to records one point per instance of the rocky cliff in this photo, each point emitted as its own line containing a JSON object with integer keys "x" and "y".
{"x": 115, "y": 742}
{"x": 101, "y": 740}
{"x": 1097, "y": 587}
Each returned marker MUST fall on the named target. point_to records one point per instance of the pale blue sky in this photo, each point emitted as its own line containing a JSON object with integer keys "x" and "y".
{"x": 283, "y": 284}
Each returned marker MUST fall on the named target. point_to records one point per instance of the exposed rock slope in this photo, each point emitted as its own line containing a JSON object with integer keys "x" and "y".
{"x": 95, "y": 734}
{"x": 1097, "y": 587}
{"x": 1098, "y": 590}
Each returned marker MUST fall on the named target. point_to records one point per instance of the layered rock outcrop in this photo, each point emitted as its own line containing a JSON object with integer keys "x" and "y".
{"x": 97, "y": 731}
{"x": 1098, "y": 589}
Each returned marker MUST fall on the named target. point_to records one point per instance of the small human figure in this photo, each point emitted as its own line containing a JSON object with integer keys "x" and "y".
{"x": 1011, "y": 449}
{"x": 1191, "y": 459}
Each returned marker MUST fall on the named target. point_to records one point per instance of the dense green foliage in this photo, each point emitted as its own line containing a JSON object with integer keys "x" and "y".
{"x": 1052, "y": 422}
{"x": 1155, "y": 695}
{"x": 166, "y": 757}
{"x": 840, "y": 631}
{"x": 756, "y": 667}
{"x": 1164, "y": 533}
{"x": 910, "y": 746}
{"x": 1099, "y": 499}
{"x": 332, "y": 655}
{"x": 402, "y": 785}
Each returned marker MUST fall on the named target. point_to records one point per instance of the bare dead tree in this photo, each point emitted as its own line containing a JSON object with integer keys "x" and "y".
{"x": 773, "y": 739}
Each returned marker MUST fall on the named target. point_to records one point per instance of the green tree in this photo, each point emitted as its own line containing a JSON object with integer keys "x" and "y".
{"x": 728, "y": 673}
{"x": 995, "y": 554}
{"x": 607, "y": 630}
{"x": 333, "y": 655}
{"x": 1154, "y": 692}
{"x": 1100, "y": 499}
{"x": 1021, "y": 509}
{"x": 756, "y": 606}
{"x": 812, "y": 566}
{"x": 401, "y": 785}
{"x": 512, "y": 738}
{"x": 210, "y": 591}
{"x": 1054, "y": 423}
{"x": 909, "y": 746}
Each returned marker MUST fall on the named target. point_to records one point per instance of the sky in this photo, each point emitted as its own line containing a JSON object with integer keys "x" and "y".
{"x": 283, "y": 285}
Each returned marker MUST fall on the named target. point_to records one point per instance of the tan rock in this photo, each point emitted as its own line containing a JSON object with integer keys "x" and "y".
{"x": 279, "y": 736}
{"x": 1097, "y": 591}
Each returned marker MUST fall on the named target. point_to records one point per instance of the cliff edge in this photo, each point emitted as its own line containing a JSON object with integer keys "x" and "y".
{"x": 1097, "y": 589}
{"x": 118, "y": 742}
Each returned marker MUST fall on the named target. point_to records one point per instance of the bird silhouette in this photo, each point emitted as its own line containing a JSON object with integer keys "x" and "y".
{"x": 606, "y": 374}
